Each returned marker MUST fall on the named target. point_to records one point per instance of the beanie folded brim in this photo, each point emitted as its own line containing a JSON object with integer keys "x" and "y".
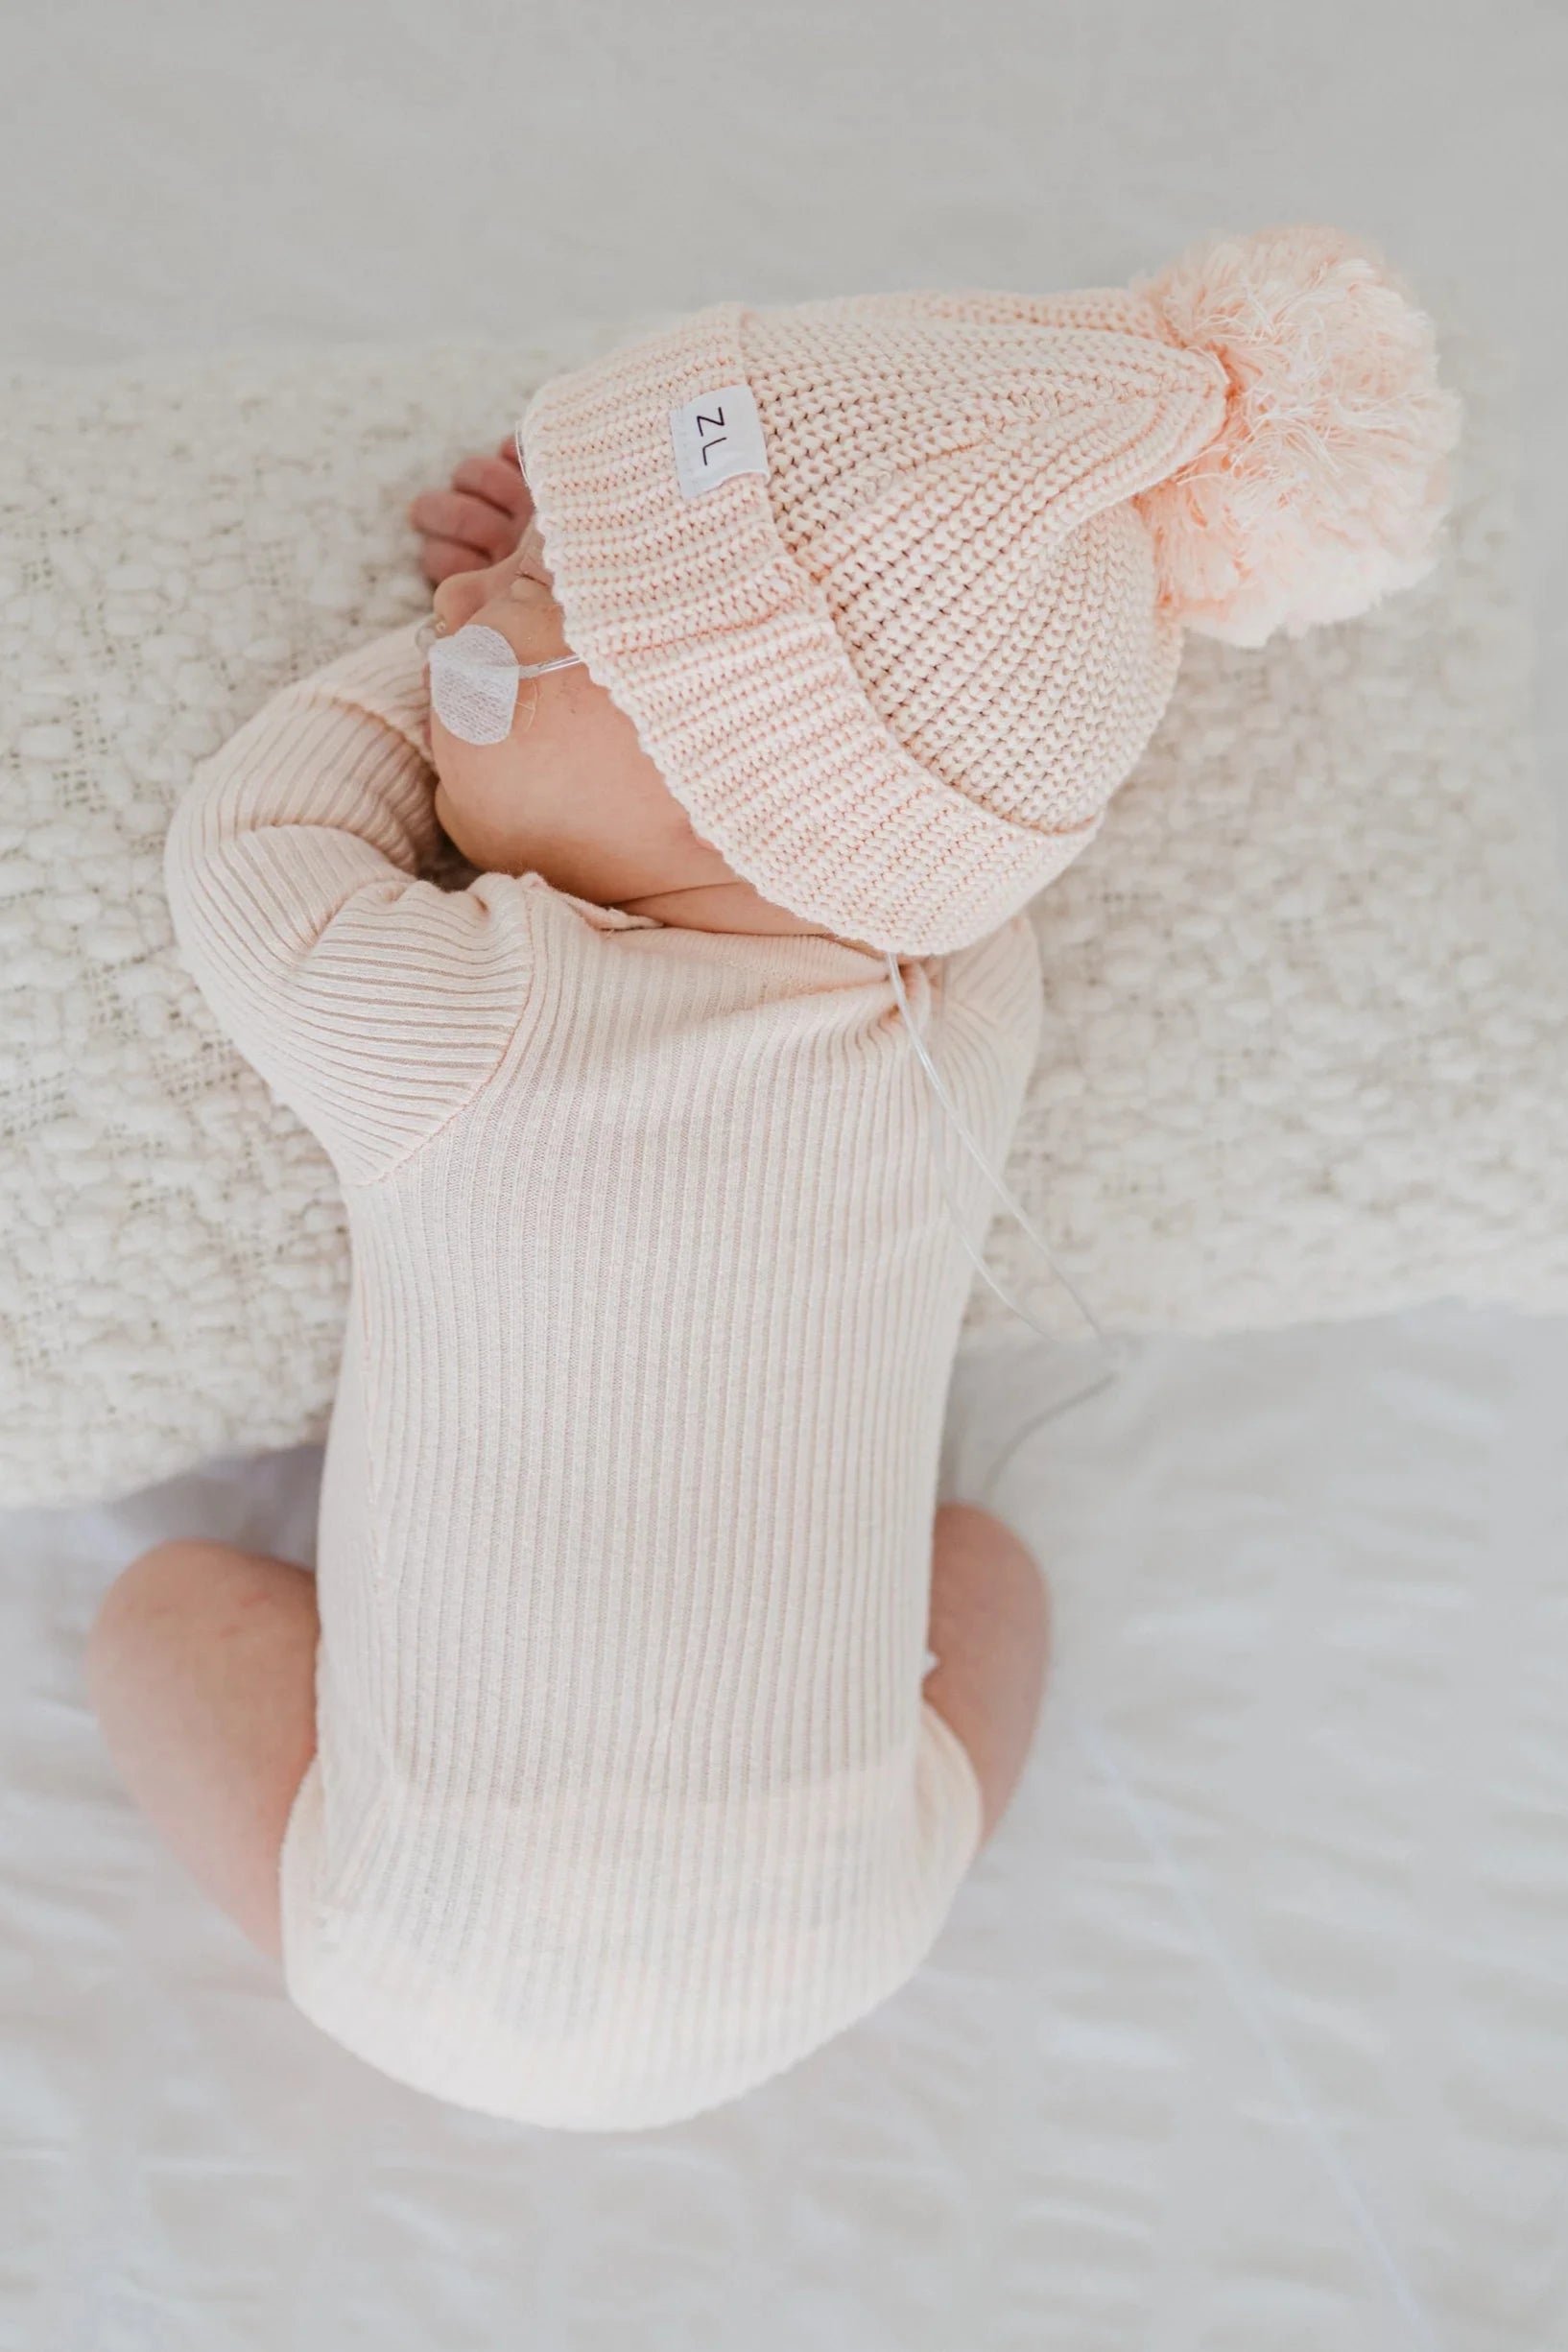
{"x": 722, "y": 649}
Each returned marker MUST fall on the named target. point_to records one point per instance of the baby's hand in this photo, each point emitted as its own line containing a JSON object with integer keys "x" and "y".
{"x": 476, "y": 522}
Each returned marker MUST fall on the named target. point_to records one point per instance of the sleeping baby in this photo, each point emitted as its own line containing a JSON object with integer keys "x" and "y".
{"x": 644, "y": 1713}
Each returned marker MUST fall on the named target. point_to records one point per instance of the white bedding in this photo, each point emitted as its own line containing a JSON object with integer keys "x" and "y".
{"x": 1310, "y": 1594}
{"x": 1313, "y": 1586}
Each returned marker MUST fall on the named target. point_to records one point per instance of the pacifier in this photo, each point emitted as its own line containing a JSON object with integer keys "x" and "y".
{"x": 474, "y": 676}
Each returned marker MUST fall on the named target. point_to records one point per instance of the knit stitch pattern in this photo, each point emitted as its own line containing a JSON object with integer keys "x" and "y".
{"x": 901, "y": 676}
{"x": 896, "y": 651}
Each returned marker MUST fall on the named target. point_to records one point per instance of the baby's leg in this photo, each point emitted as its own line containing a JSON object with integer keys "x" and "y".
{"x": 201, "y": 1667}
{"x": 990, "y": 1621}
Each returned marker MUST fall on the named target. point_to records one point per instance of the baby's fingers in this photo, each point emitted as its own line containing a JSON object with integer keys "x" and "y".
{"x": 479, "y": 520}
{"x": 510, "y": 457}
{"x": 501, "y": 484}
{"x": 470, "y": 522}
{"x": 440, "y": 558}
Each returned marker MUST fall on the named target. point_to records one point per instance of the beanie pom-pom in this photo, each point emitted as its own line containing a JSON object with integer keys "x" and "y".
{"x": 1327, "y": 484}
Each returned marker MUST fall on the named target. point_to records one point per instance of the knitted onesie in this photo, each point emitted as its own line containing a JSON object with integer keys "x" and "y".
{"x": 626, "y": 1796}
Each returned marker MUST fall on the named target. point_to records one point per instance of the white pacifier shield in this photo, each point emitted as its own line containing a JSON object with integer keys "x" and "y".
{"x": 473, "y": 683}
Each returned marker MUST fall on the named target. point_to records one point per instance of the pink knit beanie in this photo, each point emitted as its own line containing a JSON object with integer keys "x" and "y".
{"x": 893, "y": 586}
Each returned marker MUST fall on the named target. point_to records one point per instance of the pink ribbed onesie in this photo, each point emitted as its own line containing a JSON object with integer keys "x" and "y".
{"x": 626, "y": 1796}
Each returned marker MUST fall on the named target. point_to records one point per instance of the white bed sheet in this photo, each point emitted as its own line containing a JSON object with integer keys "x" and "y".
{"x": 1309, "y": 1594}
{"x": 1310, "y": 1585}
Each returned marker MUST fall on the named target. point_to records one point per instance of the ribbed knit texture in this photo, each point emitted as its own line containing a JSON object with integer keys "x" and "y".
{"x": 896, "y": 680}
{"x": 626, "y": 1796}
{"x": 897, "y": 650}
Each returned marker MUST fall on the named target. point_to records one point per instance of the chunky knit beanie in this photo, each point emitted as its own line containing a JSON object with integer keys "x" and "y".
{"x": 893, "y": 586}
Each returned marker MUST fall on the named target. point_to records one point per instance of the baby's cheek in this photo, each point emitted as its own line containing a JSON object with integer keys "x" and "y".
{"x": 450, "y": 821}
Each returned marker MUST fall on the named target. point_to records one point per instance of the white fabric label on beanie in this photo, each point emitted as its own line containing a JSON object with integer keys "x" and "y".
{"x": 717, "y": 435}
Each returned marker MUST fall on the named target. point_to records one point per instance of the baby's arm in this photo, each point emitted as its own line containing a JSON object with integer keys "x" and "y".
{"x": 373, "y": 1004}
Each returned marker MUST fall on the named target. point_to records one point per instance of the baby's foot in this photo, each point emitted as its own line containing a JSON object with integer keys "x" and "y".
{"x": 478, "y": 520}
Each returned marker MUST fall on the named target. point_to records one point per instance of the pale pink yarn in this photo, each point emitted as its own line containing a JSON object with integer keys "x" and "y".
{"x": 895, "y": 679}
{"x": 1327, "y": 482}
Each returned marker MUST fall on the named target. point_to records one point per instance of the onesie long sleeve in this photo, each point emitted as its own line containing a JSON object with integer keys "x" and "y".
{"x": 626, "y": 1795}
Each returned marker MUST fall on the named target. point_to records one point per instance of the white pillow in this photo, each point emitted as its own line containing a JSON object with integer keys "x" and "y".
{"x": 1306, "y": 1044}
{"x": 1307, "y": 1033}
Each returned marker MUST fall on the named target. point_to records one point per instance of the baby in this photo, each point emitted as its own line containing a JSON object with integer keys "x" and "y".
{"x": 603, "y": 1771}
{"x": 626, "y": 1535}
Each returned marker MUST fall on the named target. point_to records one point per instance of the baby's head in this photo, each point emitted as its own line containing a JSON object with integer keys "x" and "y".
{"x": 571, "y": 794}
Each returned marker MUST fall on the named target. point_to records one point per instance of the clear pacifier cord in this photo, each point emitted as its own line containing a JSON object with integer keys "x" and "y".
{"x": 1113, "y": 1355}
